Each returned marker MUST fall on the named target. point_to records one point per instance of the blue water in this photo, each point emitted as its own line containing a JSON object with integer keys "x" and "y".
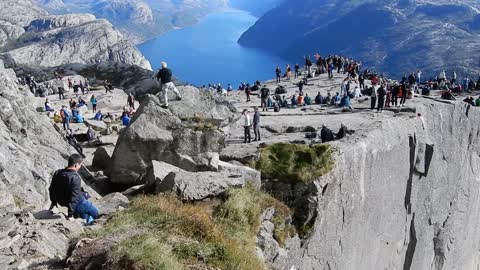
{"x": 208, "y": 52}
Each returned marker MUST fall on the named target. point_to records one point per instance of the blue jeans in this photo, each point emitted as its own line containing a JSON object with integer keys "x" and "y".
{"x": 66, "y": 123}
{"x": 86, "y": 209}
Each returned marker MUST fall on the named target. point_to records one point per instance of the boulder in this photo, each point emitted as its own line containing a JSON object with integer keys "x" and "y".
{"x": 169, "y": 135}
{"x": 155, "y": 175}
{"x": 251, "y": 176}
{"x": 191, "y": 186}
{"x": 102, "y": 157}
{"x": 96, "y": 125}
{"x": 112, "y": 203}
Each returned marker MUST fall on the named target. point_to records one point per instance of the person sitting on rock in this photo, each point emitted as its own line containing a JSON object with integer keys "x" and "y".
{"x": 469, "y": 100}
{"x": 336, "y": 99}
{"x": 448, "y": 95}
{"x": 300, "y": 100}
{"x": 345, "y": 102}
{"x": 326, "y": 134}
{"x": 342, "y": 132}
{"x": 328, "y": 99}
{"x": 48, "y": 106}
{"x": 66, "y": 190}
{"x": 81, "y": 102}
{"x": 319, "y": 99}
{"x": 308, "y": 100}
{"x": 293, "y": 101}
{"x": 72, "y": 104}
{"x": 125, "y": 119}
{"x": 91, "y": 136}
{"x": 164, "y": 75}
{"x": 77, "y": 116}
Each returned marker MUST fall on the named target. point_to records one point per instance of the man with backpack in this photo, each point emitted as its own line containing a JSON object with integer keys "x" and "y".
{"x": 65, "y": 117}
{"x": 264, "y": 93}
{"x": 66, "y": 190}
{"x": 278, "y": 74}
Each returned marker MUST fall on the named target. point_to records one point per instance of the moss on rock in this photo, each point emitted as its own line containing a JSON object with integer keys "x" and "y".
{"x": 295, "y": 162}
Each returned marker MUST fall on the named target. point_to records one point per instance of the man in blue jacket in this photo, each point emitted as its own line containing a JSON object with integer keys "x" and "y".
{"x": 66, "y": 190}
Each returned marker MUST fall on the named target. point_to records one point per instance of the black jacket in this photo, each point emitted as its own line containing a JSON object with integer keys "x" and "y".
{"x": 164, "y": 75}
{"x": 327, "y": 135}
{"x": 66, "y": 189}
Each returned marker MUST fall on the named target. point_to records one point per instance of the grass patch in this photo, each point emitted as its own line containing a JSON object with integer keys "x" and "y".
{"x": 191, "y": 236}
{"x": 295, "y": 162}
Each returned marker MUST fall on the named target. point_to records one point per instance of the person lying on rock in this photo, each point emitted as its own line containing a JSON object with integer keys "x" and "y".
{"x": 66, "y": 190}
{"x": 164, "y": 75}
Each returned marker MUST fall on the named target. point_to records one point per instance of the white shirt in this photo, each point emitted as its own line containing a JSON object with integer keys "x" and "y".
{"x": 248, "y": 120}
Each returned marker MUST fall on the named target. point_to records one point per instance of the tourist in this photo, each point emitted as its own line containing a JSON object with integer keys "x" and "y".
{"x": 342, "y": 132}
{"x": 319, "y": 99}
{"x": 454, "y": 78}
{"x": 356, "y": 92}
{"x": 326, "y": 134}
{"x": 442, "y": 76}
{"x": 373, "y": 98}
{"x": 466, "y": 84}
{"x": 293, "y": 101}
{"x": 256, "y": 124}
{"x": 98, "y": 116}
{"x": 264, "y": 93}
{"x": 477, "y": 102}
{"x": 345, "y": 102}
{"x": 361, "y": 81}
{"x": 288, "y": 72}
{"x": 336, "y": 99}
{"x": 448, "y": 95}
{"x": 247, "y": 92}
{"x": 93, "y": 100}
{"x": 81, "y": 102}
{"x": 164, "y": 75}
{"x": 469, "y": 100}
{"x": 125, "y": 119}
{"x": 90, "y": 135}
{"x": 278, "y": 74}
{"x": 66, "y": 190}
{"x": 229, "y": 88}
{"x": 328, "y": 99}
{"x": 65, "y": 117}
{"x": 381, "y": 98}
{"x": 61, "y": 93}
{"x": 297, "y": 71}
{"x": 82, "y": 87}
{"x": 419, "y": 76}
{"x": 403, "y": 94}
{"x": 69, "y": 83}
{"x": 108, "y": 86}
{"x": 308, "y": 100}
{"x": 308, "y": 65}
{"x": 247, "y": 124}
{"x": 300, "y": 87}
{"x": 394, "y": 93}
{"x": 131, "y": 101}
{"x": 300, "y": 100}
{"x": 48, "y": 106}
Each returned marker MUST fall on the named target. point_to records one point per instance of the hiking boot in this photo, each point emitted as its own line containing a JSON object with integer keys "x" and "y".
{"x": 165, "y": 106}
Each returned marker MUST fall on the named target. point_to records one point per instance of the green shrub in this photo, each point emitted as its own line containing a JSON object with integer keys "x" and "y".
{"x": 295, "y": 162}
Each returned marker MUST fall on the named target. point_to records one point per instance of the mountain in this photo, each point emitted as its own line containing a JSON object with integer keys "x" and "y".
{"x": 139, "y": 20}
{"x": 393, "y": 36}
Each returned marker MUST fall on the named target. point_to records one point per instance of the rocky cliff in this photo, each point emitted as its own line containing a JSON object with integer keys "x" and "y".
{"x": 392, "y": 36}
{"x": 403, "y": 195}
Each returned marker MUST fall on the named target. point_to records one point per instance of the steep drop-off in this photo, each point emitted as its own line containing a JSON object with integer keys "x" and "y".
{"x": 403, "y": 196}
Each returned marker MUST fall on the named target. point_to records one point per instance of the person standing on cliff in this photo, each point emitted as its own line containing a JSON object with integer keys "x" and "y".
{"x": 381, "y": 98}
{"x": 247, "y": 124}
{"x": 131, "y": 101}
{"x": 164, "y": 75}
{"x": 278, "y": 74}
{"x": 256, "y": 125}
{"x": 297, "y": 70}
{"x": 264, "y": 93}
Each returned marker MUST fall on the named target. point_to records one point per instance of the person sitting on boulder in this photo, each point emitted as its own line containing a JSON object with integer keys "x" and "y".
{"x": 90, "y": 135}
{"x": 336, "y": 99}
{"x": 345, "y": 102}
{"x": 308, "y": 100}
{"x": 164, "y": 75}
{"x": 326, "y": 134}
{"x": 66, "y": 190}
{"x": 98, "y": 116}
{"x": 48, "y": 106}
{"x": 328, "y": 99}
{"x": 342, "y": 132}
{"x": 77, "y": 116}
{"x": 72, "y": 104}
{"x": 81, "y": 102}
{"x": 125, "y": 119}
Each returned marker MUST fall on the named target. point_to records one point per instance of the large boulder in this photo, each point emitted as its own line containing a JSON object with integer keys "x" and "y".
{"x": 96, "y": 125}
{"x": 178, "y": 136}
{"x": 251, "y": 176}
{"x": 112, "y": 203}
{"x": 155, "y": 175}
{"x": 190, "y": 186}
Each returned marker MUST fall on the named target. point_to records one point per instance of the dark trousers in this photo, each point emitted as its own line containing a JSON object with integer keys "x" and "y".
{"x": 381, "y": 104}
{"x": 248, "y": 137}
{"x": 278, "y": 78}
{"x": 256, "y": 131}
{"x": 61, "y": 96}
{"x": 373, "y": 102}
{"x": 330, "y": 73}
{"x": 362, "y": 84}
{"x": 94, "y": 106}
{"x": 404, "y": 98}
{"x": 394, "y": 100}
